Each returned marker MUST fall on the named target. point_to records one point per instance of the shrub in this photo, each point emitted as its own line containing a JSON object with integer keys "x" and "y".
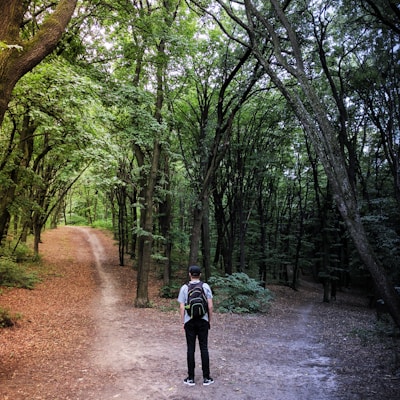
{"x": 78, "y": 220}
{"x": 6, "y": 319}
{"x": 22, "y": 253}
{"x": 238, "y": 293}
{"x": 103, "y": 224}
{"x": 13, "y": 275}
{"x": 171, "y": 291}
{"x": 17, "y": 252}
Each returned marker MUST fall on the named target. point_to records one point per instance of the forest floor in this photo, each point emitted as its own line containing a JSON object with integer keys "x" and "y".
{"x": 80, "y": 337}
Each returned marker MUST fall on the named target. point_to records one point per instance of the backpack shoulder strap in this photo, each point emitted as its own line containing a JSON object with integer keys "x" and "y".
{"x": 189, "y": 283}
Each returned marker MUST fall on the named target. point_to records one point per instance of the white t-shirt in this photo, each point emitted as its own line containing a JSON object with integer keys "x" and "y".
{"x": 183, "y": 296}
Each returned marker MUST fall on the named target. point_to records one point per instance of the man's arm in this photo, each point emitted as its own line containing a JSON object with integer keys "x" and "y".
{"x": 210, "y": 310}
{"x": 182, "y": 312}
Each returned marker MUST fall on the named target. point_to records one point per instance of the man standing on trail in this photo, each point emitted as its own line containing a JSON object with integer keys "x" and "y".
{"x": 196, "y": 310}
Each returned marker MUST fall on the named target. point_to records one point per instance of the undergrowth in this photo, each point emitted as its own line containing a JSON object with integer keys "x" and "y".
{"x": 238, "y": 293}
{"x": 7, "y": 319}
{"x": 13, "y": 274}
{"x": 170, "y": 291}
{"x": 380, "y": 330}
{"x": 15, "y": 267}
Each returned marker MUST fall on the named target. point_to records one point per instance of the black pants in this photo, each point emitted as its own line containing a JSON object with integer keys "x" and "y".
{"x": 197, "y": 328}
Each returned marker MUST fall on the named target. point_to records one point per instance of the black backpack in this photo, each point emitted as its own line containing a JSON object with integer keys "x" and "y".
{"x": 197, "y": 305}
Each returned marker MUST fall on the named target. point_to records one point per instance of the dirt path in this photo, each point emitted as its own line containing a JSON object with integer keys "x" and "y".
{"x": 300, "y": 350}
{"x": 145, "y": 352}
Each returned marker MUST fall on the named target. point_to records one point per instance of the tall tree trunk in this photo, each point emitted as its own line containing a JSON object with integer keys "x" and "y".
{"x": 195, "y": 236}
{"x": 216, "y": 152}
{"x": 134, "y": 219}
{"x": 221, "y": 226}
{"x": 165, "y": 224}
{"x": 37, "y": 231}
{"x": 206, "y": 244}
{"x": 146, "y": 238}
{"x": 121, "y": 199}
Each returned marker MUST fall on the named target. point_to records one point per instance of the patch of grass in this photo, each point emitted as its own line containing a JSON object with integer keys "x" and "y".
{"x": 366, "y": 336}
{"x": 387, "y": 328}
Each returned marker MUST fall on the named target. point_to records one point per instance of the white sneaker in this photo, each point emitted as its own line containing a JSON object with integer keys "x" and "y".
{"x": 189, "y": 382}
{"x": 208, "y": 381}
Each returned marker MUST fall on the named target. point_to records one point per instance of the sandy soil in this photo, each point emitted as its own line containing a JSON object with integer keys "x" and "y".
{"x": 81, "y": 338}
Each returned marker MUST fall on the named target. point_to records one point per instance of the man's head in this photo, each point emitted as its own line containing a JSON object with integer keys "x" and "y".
{"x": 194, "y": 271}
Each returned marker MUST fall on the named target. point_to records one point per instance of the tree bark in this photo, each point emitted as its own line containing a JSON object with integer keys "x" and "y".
{"x": 146, "y": 238}
{"x": 206, "y": 244}
{"x": 14, "y": 63}
{"x": 25, "y": 147}
{"x": 195, "y": 234}
{"x": 165, "y": 221}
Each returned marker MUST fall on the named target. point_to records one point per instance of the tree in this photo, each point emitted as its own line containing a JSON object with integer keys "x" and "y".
{"x": 144, "y": 37}
{"x": 283, "y": 56}
{"x": 51, "y": 141}
{"x": 222, "y": 83}
{"x": 19, "y": 53}
{"x": 256, "y": 160}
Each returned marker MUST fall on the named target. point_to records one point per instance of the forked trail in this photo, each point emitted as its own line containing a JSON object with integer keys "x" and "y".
{"x": 82, "y": 339}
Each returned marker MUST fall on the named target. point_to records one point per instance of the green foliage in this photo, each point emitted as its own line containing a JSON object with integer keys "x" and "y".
{"x": 15, "y": 275}
{"x": 238, "y": 293}
{"x": 103, "y": 224}
{"x": 7, "y": 319}
{"x": 16, "y": 252}
{"x": 74, "y": 219}
{"x": 20, "y": 253}
{"x": 271, "y": 205}
{"x": 170, "y": 291}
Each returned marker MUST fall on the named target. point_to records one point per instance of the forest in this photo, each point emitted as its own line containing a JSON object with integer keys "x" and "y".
{"x": 251, "y": 136}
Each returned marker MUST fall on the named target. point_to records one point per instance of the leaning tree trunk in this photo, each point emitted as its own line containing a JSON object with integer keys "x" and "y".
{"x": 23, "y": 55}
{"x": 325, "y": 142}
{"x": 323, "y": 137}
